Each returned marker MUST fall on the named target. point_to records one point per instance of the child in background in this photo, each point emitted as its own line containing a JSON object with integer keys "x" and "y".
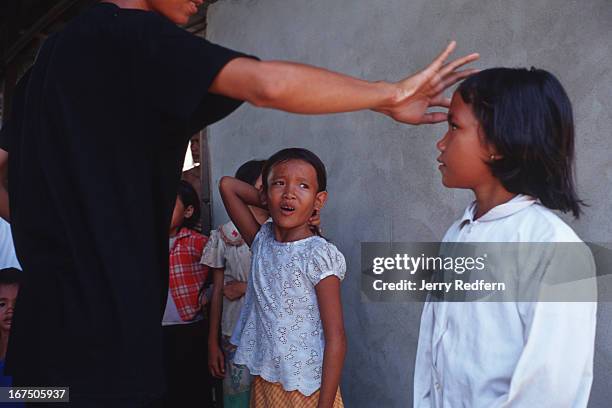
{"x": 9, "y": 289}
{"x": 511, "y": 141}
{"x": 185, "y": 330}
{"x": 290, "y": 333}
{"x": 229, "y": 258}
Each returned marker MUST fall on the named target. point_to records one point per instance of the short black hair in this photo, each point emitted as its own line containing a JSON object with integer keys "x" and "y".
{"x": 10, "y": 276}
{"x": 250, "y": 171}
{"x": 296, "y": 153}
{"x": 188, "y": 197}
{"x": 527, "y": 115}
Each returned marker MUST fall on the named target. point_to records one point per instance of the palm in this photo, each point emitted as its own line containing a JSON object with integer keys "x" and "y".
{"x": 426, "y": 89}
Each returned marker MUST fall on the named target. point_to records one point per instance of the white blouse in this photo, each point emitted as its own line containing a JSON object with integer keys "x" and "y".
{"x": 226, "y": 249}
{"x": 279, "y": 333}
{"x": 508, "y": 354}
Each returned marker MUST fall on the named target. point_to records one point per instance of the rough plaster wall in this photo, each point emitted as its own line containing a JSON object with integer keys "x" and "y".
{"x": 384, "y": 183}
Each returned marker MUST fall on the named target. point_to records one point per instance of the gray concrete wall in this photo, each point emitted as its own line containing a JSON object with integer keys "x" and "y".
{"x": 384, "y": 183}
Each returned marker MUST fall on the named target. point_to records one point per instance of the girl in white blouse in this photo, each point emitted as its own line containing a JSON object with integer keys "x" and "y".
{"x": 511, "y": 141}
{"x": 229, "y": 259}
{"x": 290, "y": 333}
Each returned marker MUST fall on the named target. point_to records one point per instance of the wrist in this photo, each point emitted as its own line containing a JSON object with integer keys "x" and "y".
{"x": 391, "y": 93}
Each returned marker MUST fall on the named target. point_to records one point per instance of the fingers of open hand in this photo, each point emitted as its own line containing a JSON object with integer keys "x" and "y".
{"x": 459, "y": 62}
{"x": 457, "y": 76}
{"x": 441, "y": 76}
{"x": 440, "y": 100}
{"x": 429, "y": 75}
{"x": 451, "y": 79}
{"x": 434, "y": 117}
{"x": 437, "y": 63}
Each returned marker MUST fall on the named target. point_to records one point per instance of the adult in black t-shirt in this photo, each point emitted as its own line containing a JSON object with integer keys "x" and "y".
{"x": 96, "y": 140}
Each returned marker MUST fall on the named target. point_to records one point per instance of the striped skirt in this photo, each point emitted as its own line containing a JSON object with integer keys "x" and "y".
{"x": 265, "y": 394}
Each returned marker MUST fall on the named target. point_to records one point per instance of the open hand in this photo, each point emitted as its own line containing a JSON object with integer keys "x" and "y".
{"x": 424, "y": 89}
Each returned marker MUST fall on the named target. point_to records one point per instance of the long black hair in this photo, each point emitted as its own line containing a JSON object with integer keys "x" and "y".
{"x": 527, "y": 115}
{"x": 189, "y": 196}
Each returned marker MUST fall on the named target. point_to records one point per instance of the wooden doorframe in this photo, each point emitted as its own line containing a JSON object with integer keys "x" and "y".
{"x": 205, "y": 179}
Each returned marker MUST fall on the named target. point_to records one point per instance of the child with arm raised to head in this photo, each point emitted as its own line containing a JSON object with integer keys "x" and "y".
{"x": 290, "y": 333}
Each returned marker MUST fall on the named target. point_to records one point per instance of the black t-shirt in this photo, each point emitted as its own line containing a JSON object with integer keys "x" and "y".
{"x": 96, "y": 142}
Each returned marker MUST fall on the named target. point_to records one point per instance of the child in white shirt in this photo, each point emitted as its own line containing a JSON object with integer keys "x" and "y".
{"x": 229, "y": 258}
{"x": 511, "y": 141}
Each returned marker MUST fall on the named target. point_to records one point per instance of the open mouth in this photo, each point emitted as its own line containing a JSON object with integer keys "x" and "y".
{"x": 287, "y": 209}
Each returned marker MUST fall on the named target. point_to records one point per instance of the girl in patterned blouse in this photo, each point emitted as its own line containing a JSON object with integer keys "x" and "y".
{"x": 290, "y": 333}
{"x": 229, "y": 259}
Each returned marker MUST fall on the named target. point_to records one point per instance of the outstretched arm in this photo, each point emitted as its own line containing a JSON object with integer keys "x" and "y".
{"x": 306, "y": 89}
{"x": 237, "y": 196}
{"x": 4, "y": 197}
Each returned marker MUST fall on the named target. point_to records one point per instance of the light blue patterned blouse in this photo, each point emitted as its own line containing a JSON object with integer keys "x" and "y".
{"x": 279, "y": 333}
